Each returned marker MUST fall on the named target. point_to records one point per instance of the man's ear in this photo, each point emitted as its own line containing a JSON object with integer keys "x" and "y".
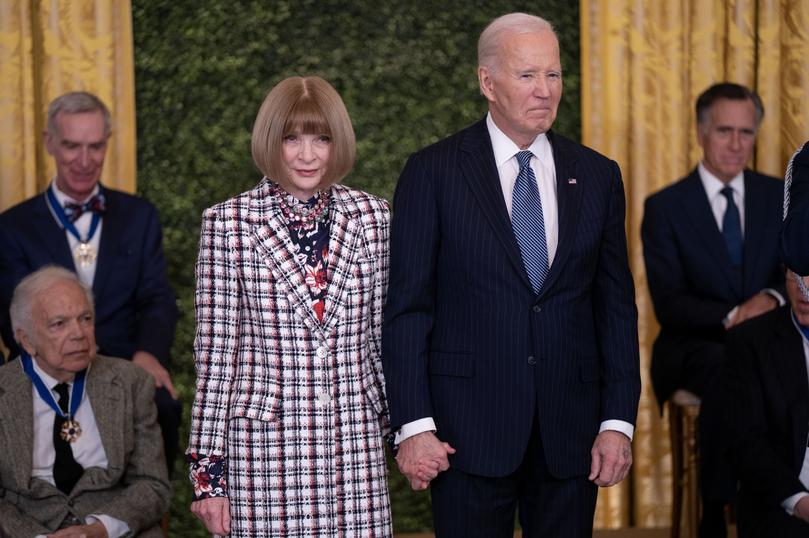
{"x": 486, "y": 82}
{"x": 50, "y": 141}
{"x": 25, "y": 341}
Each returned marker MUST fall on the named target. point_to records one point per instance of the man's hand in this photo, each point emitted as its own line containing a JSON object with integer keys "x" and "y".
{"x": 161, "y": 376}
{"x": 802, "y": 509}
{"x": 612, "y": 458}
{"x": 96, "y": 530}
{"x": 756, "y": 305}
{"x": 214, "y": 512}
{"x": 422, "y": 457}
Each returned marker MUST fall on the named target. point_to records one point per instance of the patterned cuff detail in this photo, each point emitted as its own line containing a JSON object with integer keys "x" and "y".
{"x": 207, "y": 474}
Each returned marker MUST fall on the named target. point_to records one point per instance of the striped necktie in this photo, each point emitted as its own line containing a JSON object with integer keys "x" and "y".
{"x": 528, "y": 222}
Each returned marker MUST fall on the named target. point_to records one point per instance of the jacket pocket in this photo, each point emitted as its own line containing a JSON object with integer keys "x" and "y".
{"x": 451, "y": 364}
{"x": 254, "y": 406}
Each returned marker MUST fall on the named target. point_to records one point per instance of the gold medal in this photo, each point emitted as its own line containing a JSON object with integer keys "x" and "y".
{"x": 71, "y": 430}
{"x": 84, "y": 254}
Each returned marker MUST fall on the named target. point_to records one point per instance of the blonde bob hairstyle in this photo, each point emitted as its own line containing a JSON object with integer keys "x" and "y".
{"x": 303, "y": 105}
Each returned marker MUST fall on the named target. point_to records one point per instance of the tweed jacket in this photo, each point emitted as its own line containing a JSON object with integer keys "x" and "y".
{"x": 133, "y": 488}
{"x": 295, "y": 407}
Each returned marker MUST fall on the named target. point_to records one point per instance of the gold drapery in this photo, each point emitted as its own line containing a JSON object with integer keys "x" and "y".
{"x": 644, "y": 62}
{"x": 50, "y": 47}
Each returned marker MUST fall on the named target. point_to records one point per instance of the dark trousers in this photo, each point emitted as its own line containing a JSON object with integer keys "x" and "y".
{"x": 469, "y": 506}
{"x": 169, "y": 415}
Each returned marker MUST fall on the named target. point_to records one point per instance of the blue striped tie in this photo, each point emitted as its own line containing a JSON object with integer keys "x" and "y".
{"x": 528, "y": 223}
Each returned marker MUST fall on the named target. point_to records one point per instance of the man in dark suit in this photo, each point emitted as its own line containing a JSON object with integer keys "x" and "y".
{"x": 765, "y": 397}
{"x": 111, "y": 239}
{"x": 510, "y": 338}
{"x": 80, "y": 442}
{"x": 710, "y": 243}
{"x": 795, "y": 236}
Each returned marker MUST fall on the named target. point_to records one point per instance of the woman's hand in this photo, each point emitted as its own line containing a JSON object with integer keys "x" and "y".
{"x": 214, "y": 512}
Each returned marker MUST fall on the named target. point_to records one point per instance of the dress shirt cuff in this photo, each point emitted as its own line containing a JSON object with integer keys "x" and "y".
{"x": 115, "y": 527}
{"x": 416, "y": 427}
{"x": 729, "y": 316}
{"x": 619, "y": 426}
{"x": 775, "y": 295}
{"x": 790, "y": 503}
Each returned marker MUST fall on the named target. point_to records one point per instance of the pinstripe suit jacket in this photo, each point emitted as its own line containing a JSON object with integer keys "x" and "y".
{"x": 467, "y": 342}
{"x": 133, "y": 488}
{"x": 295, "y": 406}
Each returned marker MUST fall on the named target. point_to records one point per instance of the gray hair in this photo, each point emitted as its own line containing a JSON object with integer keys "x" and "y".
{"x": 512, "y": 23}
{"x": 37, "y": 282}
{"x": 76, "y": 103}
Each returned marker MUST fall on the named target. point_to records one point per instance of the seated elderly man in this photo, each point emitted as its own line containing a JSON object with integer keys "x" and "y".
{"x": 81, "y": 448}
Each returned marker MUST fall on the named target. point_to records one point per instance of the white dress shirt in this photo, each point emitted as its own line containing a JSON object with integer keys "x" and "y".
{"x": 88, "y": 450}
{"x": 790, "y": 502}
{"x": 82, "y": 224}
{"x": 505, "y": 151}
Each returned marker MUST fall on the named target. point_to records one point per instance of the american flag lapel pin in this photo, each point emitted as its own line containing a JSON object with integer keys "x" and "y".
{"x": 571, "y": 181}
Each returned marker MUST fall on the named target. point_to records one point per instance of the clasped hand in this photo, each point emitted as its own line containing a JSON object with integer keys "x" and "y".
{"x": 422, "y": 457}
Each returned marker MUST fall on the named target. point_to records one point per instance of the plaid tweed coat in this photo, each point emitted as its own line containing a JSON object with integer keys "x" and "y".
{"x": 295, "y": 408}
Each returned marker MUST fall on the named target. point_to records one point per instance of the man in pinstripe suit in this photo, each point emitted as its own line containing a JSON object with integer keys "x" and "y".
{"x": 510, "y": 339}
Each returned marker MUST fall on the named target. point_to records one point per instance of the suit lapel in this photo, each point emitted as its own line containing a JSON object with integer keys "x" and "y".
{"x": 755, "y": 217}
{"x": 479, "y": 170}
{"x": 104, "y": 391}
{"x": 271, "y": 240}
{"x": 111, "y": 228}
{"x": 51, "y": 235}
{"x": 17, "y": 403}
{"x": 345, "y": 234}
{"x": 696, "y": 206}
{"x": 568, "y": 198}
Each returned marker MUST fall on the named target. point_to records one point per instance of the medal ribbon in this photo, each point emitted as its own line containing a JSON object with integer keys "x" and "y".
{"x": 76, "y": 396}
{"x": 59, "y": 211}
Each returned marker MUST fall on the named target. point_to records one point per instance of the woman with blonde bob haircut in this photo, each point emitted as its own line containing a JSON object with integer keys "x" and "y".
{"x": 290, "y": 413}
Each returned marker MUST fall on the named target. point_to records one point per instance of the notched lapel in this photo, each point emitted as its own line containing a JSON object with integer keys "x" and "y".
{"x": 755, "y": 232}
{"x": 480, "y": 172}
{"x": 345, "y": 235}
{"x": 105, "y": 390}
{"x": 271, "y": 241}
{"x": 568, "y": 199}
{"x": 109, "y": 244}
{"x": 51, "y": 235}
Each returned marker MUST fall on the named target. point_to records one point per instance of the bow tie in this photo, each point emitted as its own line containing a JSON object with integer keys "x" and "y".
{"x": 96, "y": 204}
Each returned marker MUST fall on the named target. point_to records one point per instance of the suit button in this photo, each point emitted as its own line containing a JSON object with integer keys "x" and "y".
{"x": 536, "y": 308}
{"x": 531, "y": 360}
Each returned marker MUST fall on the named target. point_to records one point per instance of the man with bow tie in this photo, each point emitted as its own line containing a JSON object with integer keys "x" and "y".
{"x": 78, "y": 433}
{"x": 111, "y": 239}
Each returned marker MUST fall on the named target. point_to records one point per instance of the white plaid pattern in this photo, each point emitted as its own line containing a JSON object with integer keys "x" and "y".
{"x": 297, "y": 408}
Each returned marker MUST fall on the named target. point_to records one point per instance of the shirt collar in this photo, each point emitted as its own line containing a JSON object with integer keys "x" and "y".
{"x": 504, "y": 148}
{"x": 713, "y": 184}
{"x": 63, "y": 198}
{"x": 49, "y": 381}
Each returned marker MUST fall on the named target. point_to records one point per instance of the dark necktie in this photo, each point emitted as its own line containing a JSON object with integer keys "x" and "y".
{"x": 66, "y": 470}
{"x": 528, "y": 222}
{"x": 96, "y": 204}
{"x": 732, "y": 228}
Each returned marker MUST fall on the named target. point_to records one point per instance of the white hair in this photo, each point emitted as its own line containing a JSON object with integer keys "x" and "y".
{"x": 37, "y": 282}
{"x": 512, "y": 23}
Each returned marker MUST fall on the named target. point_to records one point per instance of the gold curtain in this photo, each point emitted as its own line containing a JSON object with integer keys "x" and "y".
{"x": 50, "y": 47}
{"x": 644, "y": 62}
